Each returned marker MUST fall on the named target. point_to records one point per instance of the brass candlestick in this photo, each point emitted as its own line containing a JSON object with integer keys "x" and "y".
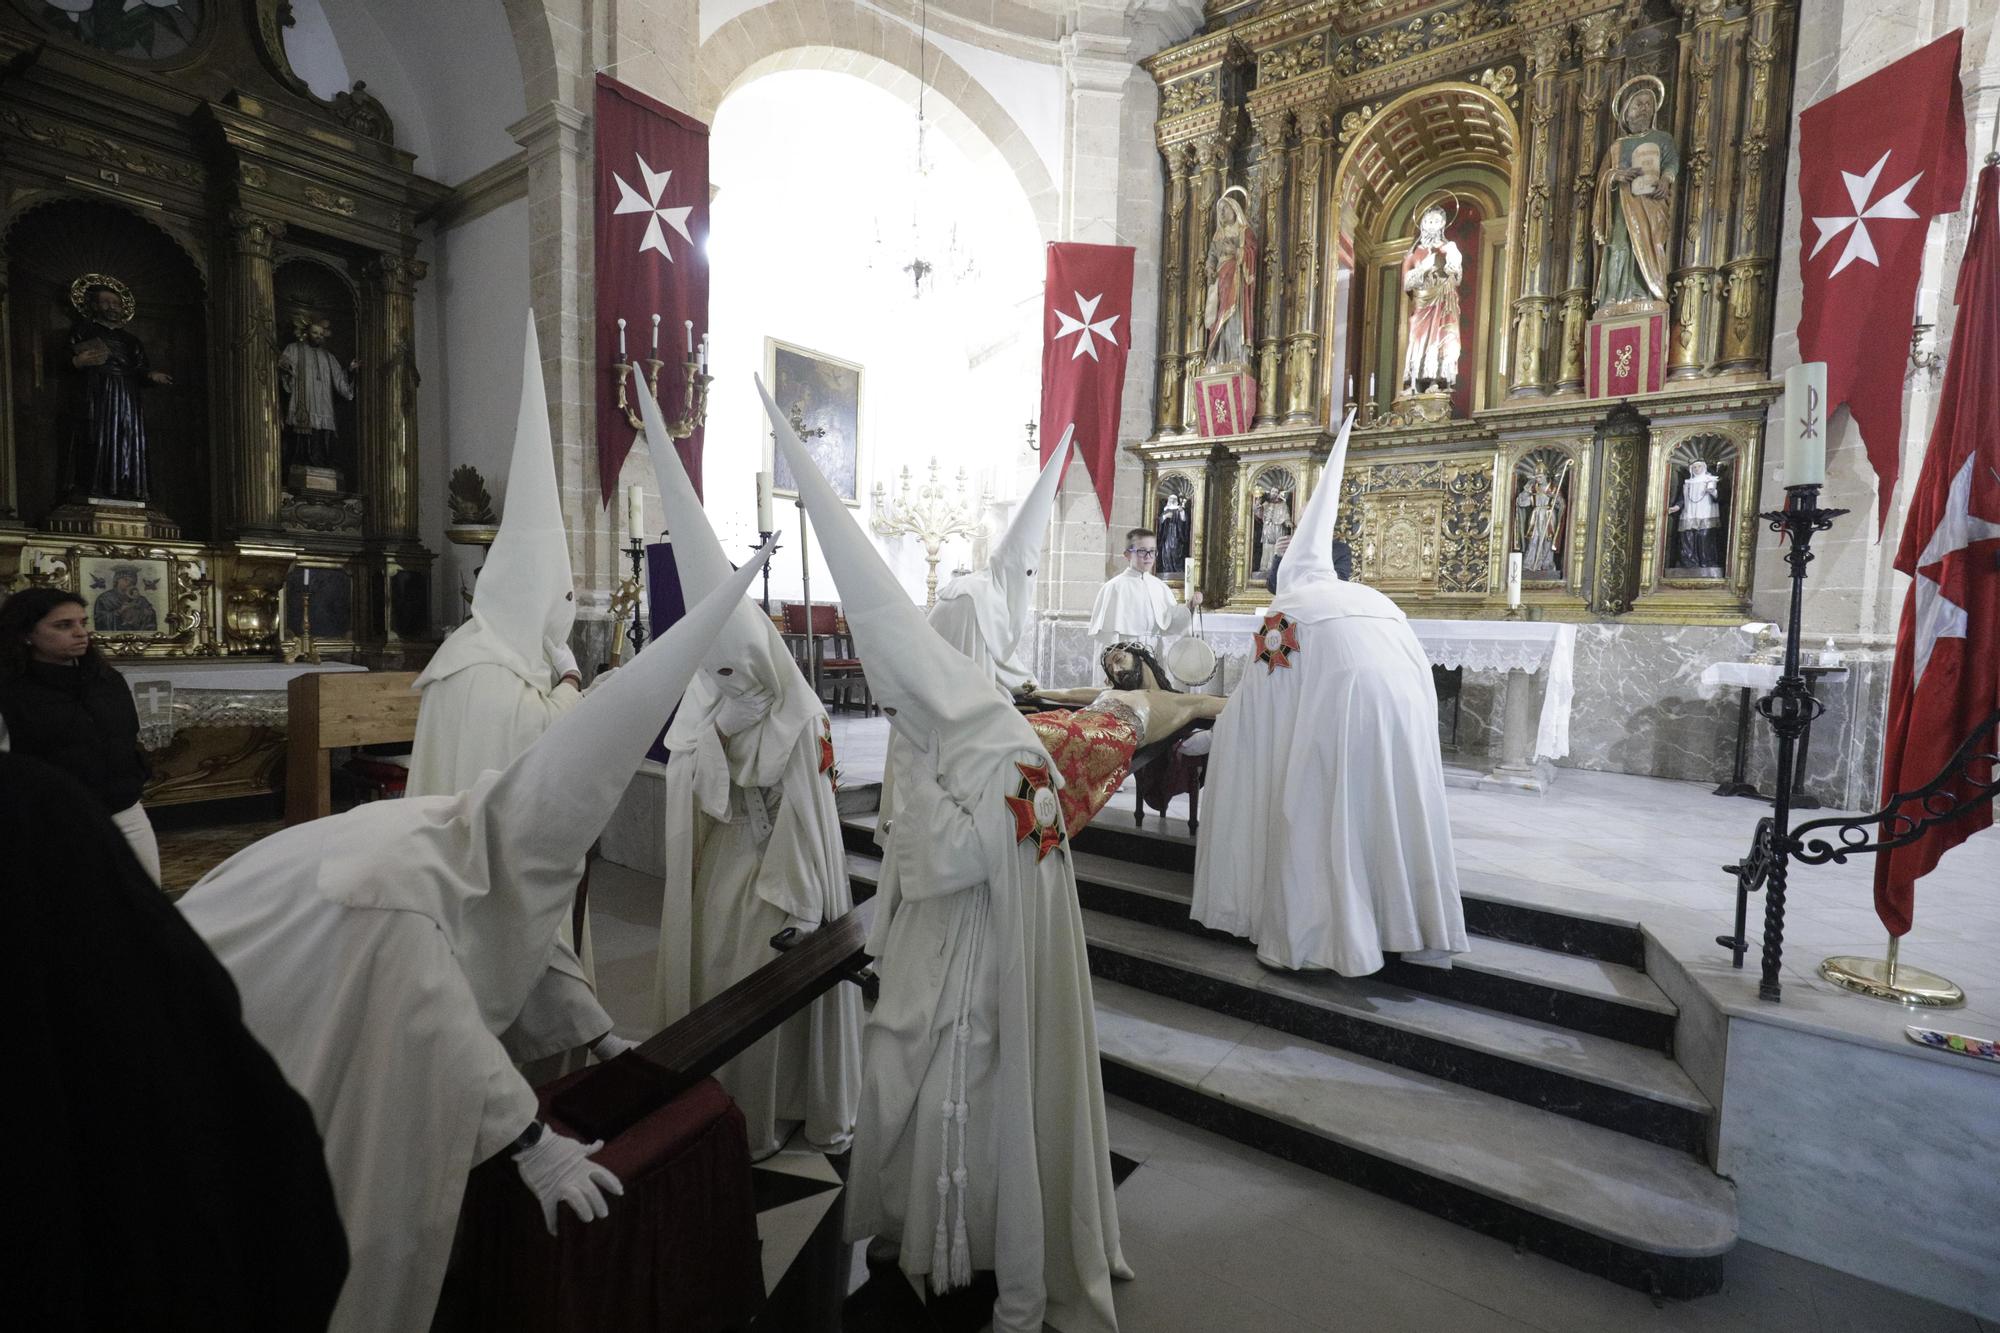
{"x": 303, "y": 649}
{"x": 694, "y": 393}
{"x": 932, "y": 516}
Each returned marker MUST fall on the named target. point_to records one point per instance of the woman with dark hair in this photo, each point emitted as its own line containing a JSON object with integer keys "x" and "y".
{"x": 61, "y": 702}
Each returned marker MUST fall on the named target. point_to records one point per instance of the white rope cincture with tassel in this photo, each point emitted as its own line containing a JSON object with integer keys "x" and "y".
{"x": 951, "y": 1265}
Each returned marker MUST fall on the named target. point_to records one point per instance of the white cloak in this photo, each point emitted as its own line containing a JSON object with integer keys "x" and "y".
{"x": 1325, "y": 839}
{"x": 1135, "y": 605}
{"x": 440, "y": 1092}
{"x": 732, "y": 890}
{"x": 970, "y": 927}
{"x": 957, "y": 623}
{"x": 474, "y": 720}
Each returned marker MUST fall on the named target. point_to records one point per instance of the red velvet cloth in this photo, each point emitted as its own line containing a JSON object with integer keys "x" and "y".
{"x": 679, "y": 1251}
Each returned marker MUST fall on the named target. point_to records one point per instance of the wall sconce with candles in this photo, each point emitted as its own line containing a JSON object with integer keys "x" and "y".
{"x": 695, "y": 380}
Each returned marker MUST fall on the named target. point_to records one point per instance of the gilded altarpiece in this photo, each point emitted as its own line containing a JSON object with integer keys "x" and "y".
{"x": 1348, "y": 124}
{"x": 170, "y": 174}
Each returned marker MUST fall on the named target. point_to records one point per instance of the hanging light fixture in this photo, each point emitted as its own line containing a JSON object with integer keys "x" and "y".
{"x": 927, "y": 257}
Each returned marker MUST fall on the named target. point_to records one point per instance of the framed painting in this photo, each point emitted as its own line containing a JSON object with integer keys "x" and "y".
{"x": 128, "y": 597}
{"x": 822, "y": 396}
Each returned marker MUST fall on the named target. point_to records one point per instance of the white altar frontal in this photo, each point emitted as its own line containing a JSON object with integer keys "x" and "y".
{"x": 214, "y": 730}
{"x": 1534, "y": 730}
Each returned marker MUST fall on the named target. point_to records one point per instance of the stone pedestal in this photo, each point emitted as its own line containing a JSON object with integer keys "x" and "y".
{"x": 1626, "y": 354}
{"x": 1226, "y": 402}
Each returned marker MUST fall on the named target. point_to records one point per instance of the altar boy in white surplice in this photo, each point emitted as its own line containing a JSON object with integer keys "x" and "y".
{"x": 752, "y": 844}
{"x": 1136, "y": 605}
{"x": 981, "y": 1141}
{"x": 1325, "y": 838}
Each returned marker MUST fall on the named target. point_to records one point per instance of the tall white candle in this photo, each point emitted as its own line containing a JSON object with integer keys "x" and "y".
{"x": 765, "y": 522}
{"x": 306, "y": 576}
{"x": 1371, "y": 386}
{"x": 1805, "y": 424}
{"x": 1513, "y": 578}
{"x": 635, "y": 512}
{"x": 621, "y": 340}
{"x": 656, "y": 335}
{"x": 690, "y": 332}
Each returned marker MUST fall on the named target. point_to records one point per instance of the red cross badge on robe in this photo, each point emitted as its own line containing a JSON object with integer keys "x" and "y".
{"x": 1277, "y": 640}
{"x": 825, "y": 746}
{"x": 1037, "y": 810}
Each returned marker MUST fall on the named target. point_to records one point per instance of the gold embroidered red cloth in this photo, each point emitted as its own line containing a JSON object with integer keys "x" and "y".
{"x": 1094, "y": 751}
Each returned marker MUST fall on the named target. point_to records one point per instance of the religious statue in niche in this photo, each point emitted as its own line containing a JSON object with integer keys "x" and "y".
{"x": 310, "y": 376}
{"x": 1540, "y": 502}
{"x": 1171, "y": 530}
{"x": 1632, "y": 218}
{"x": 107, "y": 427}
{"x": 1270, "y": 518}
{"x": 1432, "y": 272}
{"x": 1229, "y": 316}
{"x": 1697, "y": 514}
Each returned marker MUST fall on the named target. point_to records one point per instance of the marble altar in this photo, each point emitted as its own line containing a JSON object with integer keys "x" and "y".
{"x": 214, "y": 729}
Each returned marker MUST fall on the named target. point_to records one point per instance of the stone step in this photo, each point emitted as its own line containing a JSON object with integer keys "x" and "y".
{"x": 1598, "y": 1080}
{"x": 1635, "y": 1212}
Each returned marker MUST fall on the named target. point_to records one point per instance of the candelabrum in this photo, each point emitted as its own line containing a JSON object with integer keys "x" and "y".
{"x": 933, "y": 515}
{"x": 636, "y": 634}
{"x": 303, "y": 649}
{"x": 695, "y": 380}
{"x": 763, "y": 537}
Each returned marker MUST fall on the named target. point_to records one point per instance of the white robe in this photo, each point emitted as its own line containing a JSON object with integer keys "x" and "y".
{"x": 957, "y": 623}
{"x": 440, "y": 1092}
{"x": 1324, "y": 838}
{"x": 476, "y": 719}
{"x": 1136, "y": 606}
{"x": 731, "y": 891}
{"x": 969, "y": 923}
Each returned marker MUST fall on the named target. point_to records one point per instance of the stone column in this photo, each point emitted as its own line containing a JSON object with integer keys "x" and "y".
{"x": 1598, "y": 36}
{"x": 1168, "y": 415}
{"x": 1302, "y": 343}
{"x": 1534, "y": 305}
{"x": 1518, "y": 768}
{"x": 1211, "y": 154}
{"x": 10, "y": 480}
{"x": 389, "y": 400}
{"x": 1705, "y": 122}
{"x": 1269, "y": 134}
{"x": 250, "y": 481}
{"x": 1753, "y": 240}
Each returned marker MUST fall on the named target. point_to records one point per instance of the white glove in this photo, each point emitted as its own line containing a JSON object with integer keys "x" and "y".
{"x": 564, "y": 660}
{"x": 558, "y": 1169}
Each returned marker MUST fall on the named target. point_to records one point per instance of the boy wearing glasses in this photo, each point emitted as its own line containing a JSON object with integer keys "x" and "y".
{"x": 1136, "y": 605}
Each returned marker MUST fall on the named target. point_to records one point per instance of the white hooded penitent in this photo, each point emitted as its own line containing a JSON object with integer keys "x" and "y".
{"x": 752, "y": 842}
{"x": 381, "y": 952}
{"x": 981, "y": 1141}
{"x": 1326, "y": 838}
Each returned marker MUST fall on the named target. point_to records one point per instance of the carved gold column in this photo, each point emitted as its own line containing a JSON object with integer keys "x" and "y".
{"x": 1167, "y": 404}
{"x": 1211, "y": 167}
{"x": 1270, "y": 141}
{"x": 1705, "y": 120}
{"x": 389, "y": 399}
{"x": 1746, "y": 324}
{"x": 1302, "y": 343}
{"x": 10, "y": 483}
{"x": 1621, "y": 509}
{"x": 1598, "y": 37}
{"x": 250, "y": 480}
{"x": 1534, "y": 305}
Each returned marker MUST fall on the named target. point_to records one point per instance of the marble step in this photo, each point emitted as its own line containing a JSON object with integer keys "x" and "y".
{"x": 1638, "y": 1213}
{"x": 1579, "y": 991}
{"x": 1590, "y": 1078}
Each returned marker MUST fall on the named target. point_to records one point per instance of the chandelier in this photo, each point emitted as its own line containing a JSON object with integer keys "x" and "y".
{"x": 928, "y": 254}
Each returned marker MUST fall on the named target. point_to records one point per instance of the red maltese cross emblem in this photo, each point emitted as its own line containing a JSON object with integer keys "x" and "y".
{"x": 1277, "y": 640}
{"x": 1037, "y": 810}
{"x": 825, "y": 746}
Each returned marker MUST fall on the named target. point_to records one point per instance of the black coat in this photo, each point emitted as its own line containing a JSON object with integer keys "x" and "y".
{"x": 1343, "y": 563}
{"x": 80, "y": 719}
{"x": 164, "y": 1175}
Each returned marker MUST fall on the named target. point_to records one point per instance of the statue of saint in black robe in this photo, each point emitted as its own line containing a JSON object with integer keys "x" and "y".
{"x": 108, "y": 431}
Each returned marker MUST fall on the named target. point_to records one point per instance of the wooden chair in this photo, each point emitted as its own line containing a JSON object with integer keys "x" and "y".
{"x": 334, "y": 710}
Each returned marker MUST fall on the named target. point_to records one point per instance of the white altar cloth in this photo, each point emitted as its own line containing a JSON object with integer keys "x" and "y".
{"x": 1476, "y": 645}
{"x": 172, "y": 695}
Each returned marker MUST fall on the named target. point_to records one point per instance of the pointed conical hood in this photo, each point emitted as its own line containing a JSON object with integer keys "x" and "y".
{"x": 748, "y": 664}
{"x": 525, "y": 600}
{"x": 496, "y": 867}
{"x": 1308, "y": 587}
{"x": 938, "y": 700}
{"x": 1003, "y": 594}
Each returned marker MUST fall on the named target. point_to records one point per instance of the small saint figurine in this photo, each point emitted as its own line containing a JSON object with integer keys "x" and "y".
{"x": 1632, "y": 218}
{"x": 1698, "y": 532}
{"x": 1540, "y": 507}
{"x": 1173, "y": 535}
{"x": 1432, "y": 272}
{"x": 108, "y": 429}
{"x": 1230, "y": 314}
{"x": 310, "y": 376}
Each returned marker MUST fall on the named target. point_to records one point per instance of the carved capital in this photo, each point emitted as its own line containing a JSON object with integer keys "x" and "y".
{"x": 397, "y": 274}
{"x": 1546, "y": 49}
{"x": 253, "y": 233}
{"x": 1598, "y": 35}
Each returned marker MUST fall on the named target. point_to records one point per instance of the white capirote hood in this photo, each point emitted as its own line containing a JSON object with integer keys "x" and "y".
{"x": 1003, "y": 593}
{"x": 1309, "y": 589}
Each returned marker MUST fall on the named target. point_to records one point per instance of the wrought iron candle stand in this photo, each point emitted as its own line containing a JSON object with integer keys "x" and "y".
{"x": 1776, "y": 845}
{"x": 636, "y": 635}
{"x": 762, "y": 538}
